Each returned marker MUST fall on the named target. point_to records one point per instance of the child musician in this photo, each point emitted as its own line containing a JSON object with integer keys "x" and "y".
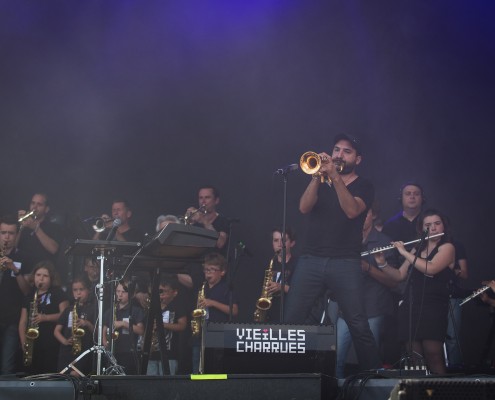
{"x": 213, "y": 298}
{"x": 124, "y": 347}
{"x": 174, "y": 318}
{"x": 75, "y": 328}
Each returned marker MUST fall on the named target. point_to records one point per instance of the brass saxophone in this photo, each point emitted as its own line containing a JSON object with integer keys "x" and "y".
{"x": 199, "y": 314}
{"x": 264, "y": 303}
{"x": 114, "y": 335}
{"x": 32, "y": 331}
{"x": 3, "y": 267}
{"x": 77, "y": 332}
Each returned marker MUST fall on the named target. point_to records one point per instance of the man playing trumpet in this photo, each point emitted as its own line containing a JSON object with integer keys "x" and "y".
{"x": 331, "y": 257}
{"x": 39, "y": 238}
{"x": 122, "y": 212}
{"x": 208, "y": 217}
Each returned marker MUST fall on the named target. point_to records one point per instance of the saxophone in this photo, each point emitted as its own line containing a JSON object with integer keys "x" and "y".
{"x": 32, "y": 331}
{"x": 114, "y": 335}
{"x": 77, "y": 332}
{"x": 199, "y": 314}
{"x": 264, "y": 303}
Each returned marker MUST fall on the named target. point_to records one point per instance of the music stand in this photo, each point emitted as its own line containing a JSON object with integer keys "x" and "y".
{"x": 103, "y": 248}
{"x": 172, "y": 247}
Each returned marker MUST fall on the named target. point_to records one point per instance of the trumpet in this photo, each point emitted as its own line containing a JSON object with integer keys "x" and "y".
{"x": 98, "y": 223}
{"x": 311, "y": 162}
{"x": 188, "y": 217}
{"x": 26, "y": 216}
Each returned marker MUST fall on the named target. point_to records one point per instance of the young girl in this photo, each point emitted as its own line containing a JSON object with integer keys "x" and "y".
{"x": 124, "y": 347}
{"x": 72, "y": 347}
{"x": 51, "y": 301}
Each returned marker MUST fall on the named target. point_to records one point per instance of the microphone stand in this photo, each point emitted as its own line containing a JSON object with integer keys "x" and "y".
{"x": 407, "y": 290}
{"x": 231, "y": 271}
{"x": 284, "y": 250}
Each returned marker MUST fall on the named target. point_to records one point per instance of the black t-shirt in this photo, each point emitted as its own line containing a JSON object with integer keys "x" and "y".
{"x": 273, "y": 313}
{"x": 220, "y": 293}
{"x": 123, "y": 343}
{"x": 400, "y": 228}
{"x": 220, "y": 224}
{"x": 330, "y": 232}
{"x": 48, "y": 303}
{"x": 32, "y": 249}
{"x": 171, "y": 314}
{"x": 85, "y": 311}
{"x": 11, "y": 297}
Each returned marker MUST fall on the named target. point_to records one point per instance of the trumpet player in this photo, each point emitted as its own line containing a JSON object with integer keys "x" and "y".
{"x": 13, "y": 288}
{"x": 121, "y": 211}
{"x": 331, "y": 257}
{"x": 68, "y": 323}
{"x": 51, "y": 302}
{"x": 39, "y": 238}
{"x": 206, "y": 215}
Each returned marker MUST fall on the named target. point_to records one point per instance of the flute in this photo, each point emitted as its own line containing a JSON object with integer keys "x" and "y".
{"x": 385, "y": 248}
{"x": 475, "y": 294}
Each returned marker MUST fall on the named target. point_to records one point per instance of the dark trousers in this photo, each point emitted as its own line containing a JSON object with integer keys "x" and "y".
{"x": 345, "y": 279}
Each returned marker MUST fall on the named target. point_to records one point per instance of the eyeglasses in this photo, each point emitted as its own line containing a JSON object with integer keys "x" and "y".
{"x": 210, "y": 270}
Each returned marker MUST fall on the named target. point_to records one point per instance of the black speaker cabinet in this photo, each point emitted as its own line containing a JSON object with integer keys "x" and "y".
{"x": 445, "y": 389}
{"x": 24, "y": 389}
{"x": 269, "y": 349}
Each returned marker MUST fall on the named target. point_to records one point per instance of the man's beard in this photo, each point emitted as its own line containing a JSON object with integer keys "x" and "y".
{"x": 347, "y": 168}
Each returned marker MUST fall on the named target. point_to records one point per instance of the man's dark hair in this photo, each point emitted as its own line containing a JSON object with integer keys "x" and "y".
{"x": 125, "y": 201}
{"x": 215, "y": 191}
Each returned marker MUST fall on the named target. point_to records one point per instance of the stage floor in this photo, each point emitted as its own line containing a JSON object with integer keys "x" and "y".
{"x": 246, "y": 387}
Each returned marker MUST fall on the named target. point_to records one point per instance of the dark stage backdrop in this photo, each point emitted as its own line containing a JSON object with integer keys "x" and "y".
{"x": 149, "y": 100}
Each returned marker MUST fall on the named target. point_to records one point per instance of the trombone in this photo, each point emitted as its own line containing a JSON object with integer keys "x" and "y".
{"x": 311, "y": 162}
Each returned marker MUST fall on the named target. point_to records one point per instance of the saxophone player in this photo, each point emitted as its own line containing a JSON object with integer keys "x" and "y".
{"x": 51, "y": 302}
{"x": 13, "y": 288}
{"x": 69, "y": 322}
{"x": 127, "y": 316}
{"x": 272, "y": 314}
{"x": 216, "y": 298}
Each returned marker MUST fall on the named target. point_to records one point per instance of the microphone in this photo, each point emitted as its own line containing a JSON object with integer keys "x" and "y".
{"x": 242, "y": 247}
{"x": 287, "y": 169}
{"x": 115, "y": 225}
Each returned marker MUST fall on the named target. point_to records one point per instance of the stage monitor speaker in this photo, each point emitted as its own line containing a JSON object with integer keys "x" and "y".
{"x": 24, "y": 389}
{"x": 233, "y": 348}
{"x": 444, "y": 389}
